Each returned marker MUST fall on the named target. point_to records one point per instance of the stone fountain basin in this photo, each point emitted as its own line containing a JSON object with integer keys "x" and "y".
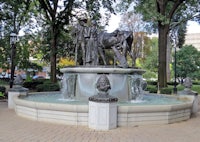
{"x": 86, "y": 78}
{"x": 127, "y": 115}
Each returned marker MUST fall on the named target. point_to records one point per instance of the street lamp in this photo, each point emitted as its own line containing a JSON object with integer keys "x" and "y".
{"x": 13, "y": 40}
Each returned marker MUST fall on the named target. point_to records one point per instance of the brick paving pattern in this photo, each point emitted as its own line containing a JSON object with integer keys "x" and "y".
{"x": 17, "y": 129}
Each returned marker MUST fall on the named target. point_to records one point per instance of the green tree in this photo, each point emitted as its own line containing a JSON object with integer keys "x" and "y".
{"x": 151, "y": 61}
{"x": 160, "y": 14}
{"x": 16, "y": 15}
{"x": 188, "y": 62}
{"x": 58, "y": 14}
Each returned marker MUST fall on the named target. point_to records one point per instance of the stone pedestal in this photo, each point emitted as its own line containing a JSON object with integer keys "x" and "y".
{"x": 103, "y": 107}
{"x": 195, "y": 106}
{"x": 15, "y": 91}
{"x": 102, "y": 116}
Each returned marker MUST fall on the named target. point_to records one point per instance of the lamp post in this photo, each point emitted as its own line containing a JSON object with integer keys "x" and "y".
{"x": 13, "y": 40}
{"x": 9, "y": 62}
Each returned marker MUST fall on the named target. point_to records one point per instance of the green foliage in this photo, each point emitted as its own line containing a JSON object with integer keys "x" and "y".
{"x": 4, "y": 52}
{"x": 195, "y": 75}
{"x": 41, "y": 85}
{"x": 172, "y": 83}
{"x": 196, "y": 88}
{"x": 149, "y": 75}
{"x": 57, "y": 20}
{"x": 18, "y": 16}
{"x": 152, "y": 83}
{"x": 151, "y": 88}
{"x": 32, "y": 84}
{"x": 28, "y": 78}
{"x": 196, "y": 82}
{"x": 2, "y": 89}
{"x": 4, "y": 81}
{"x": 48, "y": 86}
{"x": 2, "y": 95}
{"x": 166, "y": 90}
{"x": 188, "y": 62}
{"x": 181, "y": 34}
{"x": 151, "y": 61}
{"x": 180, "y": 87}
{"x": 162, "y": 15}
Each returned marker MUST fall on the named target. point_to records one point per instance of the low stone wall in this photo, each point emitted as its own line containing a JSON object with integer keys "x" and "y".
{"x": 54, "y": 113}
{"x": 134, "y": 116}
{"x": 77, "y": 114}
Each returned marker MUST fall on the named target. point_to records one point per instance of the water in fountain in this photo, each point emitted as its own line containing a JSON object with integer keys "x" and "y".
{"x": 68, "y": 86}
{"x": 138, "y": 85}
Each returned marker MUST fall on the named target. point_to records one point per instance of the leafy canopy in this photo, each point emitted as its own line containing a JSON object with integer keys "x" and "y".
{"x": 188, "y": 61}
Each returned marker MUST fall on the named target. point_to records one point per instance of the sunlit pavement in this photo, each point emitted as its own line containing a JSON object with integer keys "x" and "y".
{"x": 18, "y": 129}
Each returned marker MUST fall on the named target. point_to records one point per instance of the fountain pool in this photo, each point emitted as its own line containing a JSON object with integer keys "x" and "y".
{"x": 126, "y": 84}
{"x": 170, "y": 109}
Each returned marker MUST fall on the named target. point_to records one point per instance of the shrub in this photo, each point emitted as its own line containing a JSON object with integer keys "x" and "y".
{"x": 48, "y": 87}
{"x": 151, "y": 89}
{"x": 32, "y": 84}
{"x": 3, "y": 89}
{"x": 152, "y": 83}
{"x": 172, "y": 83}
{"x": 4, "y": 80}
{"x": 166, "y": 90}
{"x": 180, "y": 87}
{"x": 196, "y": 88}
{"x": 196, "y": 82}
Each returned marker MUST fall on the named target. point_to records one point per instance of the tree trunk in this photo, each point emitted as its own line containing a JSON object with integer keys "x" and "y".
{"x": 162, "y": 44}
{"x": 53, "y": 56}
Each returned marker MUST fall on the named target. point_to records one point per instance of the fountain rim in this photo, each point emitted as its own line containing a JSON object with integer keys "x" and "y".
{"x": 101, "y": 69}
{"x": 121, "y": 108}
{"x": 75, "y": 114}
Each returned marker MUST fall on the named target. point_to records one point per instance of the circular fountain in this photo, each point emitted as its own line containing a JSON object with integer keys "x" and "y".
{"x": 134, "y": 107}
{"x": 70, "y": 106}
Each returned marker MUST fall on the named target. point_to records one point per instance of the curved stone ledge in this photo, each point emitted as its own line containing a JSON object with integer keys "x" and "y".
{"x": 51, "y": 106}
{"x": 153, "y": 108}
{"x": 73, "y": 114}
{"x": 102, "y": 69}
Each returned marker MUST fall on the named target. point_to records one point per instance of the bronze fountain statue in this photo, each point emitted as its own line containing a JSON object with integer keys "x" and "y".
{"x": 93, "y": 44}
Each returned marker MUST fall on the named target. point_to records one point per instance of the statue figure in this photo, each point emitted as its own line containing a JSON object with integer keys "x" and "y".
{"x": 117, "y": 41}
{"x": 80, "y": 41}
{"x": 91, "y": 46}
{"x": 18, "y": 80}
{"x": 188, "y": 82}
{"x": 103, "y": 85}
{"x": 188, "y": 85}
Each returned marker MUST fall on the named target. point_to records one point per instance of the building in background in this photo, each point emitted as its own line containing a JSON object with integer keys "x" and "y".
{"x": 193, "y": 39}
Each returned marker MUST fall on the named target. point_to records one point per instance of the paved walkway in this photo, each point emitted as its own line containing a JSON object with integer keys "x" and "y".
{"x": 17, "y": 129}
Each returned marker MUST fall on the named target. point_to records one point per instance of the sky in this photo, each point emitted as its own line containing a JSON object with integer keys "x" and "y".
{"x": 192, "y": 27}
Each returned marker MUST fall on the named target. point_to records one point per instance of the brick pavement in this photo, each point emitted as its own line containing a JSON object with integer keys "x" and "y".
{"x": 17, "y": 129}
